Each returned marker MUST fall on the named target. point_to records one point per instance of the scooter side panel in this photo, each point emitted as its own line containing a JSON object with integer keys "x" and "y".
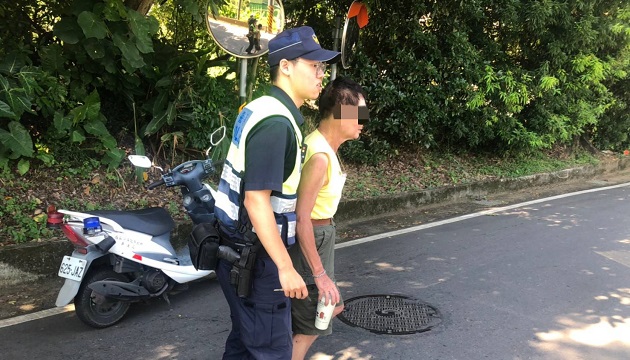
{"x": 70, "y": 287}
{"x": 68, "y": 291}
{"x": 129, "y": 243}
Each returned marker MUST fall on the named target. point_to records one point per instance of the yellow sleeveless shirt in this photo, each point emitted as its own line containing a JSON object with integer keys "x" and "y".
{"x": 330, "y": 194}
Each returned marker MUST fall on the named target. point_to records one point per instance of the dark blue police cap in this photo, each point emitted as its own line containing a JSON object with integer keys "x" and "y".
{"x": 299, "y": 42}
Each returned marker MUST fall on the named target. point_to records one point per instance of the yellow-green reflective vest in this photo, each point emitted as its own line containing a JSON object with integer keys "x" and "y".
{"x": 229, "y": 197}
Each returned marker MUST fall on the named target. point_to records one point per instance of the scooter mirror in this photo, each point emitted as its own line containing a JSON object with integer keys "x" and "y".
{"x": 217, "y": 136}
{"x": 140, "y": 161}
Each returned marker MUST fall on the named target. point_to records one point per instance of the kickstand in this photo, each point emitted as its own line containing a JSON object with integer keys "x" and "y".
{"x": 165, "y": 296}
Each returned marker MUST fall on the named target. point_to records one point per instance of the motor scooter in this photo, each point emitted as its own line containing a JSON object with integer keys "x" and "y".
{"x": 122, "y": 257}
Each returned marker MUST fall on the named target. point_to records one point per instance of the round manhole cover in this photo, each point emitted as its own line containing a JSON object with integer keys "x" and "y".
{"x": 389, "y": 314}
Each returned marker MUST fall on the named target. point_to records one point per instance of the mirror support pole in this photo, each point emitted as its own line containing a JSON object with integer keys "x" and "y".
{"x": 336, "y": 37}
{"x": 243, "y": 81}
{"x": 252, "y": 79}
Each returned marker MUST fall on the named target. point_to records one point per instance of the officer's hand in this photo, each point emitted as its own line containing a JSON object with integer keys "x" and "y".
{"x": 327, "y": 289}
{"x": 292, "y": 284}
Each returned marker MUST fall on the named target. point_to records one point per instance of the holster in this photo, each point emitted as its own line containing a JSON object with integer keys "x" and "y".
{"x": 242, "y": 272}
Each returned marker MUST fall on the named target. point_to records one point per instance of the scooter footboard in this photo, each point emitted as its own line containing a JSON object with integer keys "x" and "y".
{"x": 186, "y": 273}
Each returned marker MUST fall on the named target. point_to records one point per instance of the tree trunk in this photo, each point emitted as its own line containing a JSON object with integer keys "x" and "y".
{"x": 141, "y": 6}
{"x": 585, "y": 142}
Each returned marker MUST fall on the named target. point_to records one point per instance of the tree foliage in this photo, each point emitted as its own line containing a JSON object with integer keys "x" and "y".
{"x": 482, "y": 75}
{"x": 492, "y": 75}
{"x": 93, "y": 73}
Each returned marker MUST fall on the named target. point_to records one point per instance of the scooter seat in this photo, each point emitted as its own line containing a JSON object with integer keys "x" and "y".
{"x": 153, "y": 221}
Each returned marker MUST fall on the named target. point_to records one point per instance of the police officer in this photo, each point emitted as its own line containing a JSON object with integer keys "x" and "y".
{"x": 255, "y": 206}
{"x": 251, "y": 34}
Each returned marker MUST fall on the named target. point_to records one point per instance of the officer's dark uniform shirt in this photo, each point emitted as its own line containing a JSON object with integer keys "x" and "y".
{"x": 264, "y": 170}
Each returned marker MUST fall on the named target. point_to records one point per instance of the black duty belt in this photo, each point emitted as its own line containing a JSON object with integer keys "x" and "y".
{"x": 239, "y": 246}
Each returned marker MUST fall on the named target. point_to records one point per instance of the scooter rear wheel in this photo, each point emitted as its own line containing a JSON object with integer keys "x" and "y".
{"x": 94, "y": 309}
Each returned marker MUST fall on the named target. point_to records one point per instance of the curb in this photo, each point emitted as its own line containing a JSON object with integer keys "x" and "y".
{"x": 44, "y": 258}
{"x": 353, "y": 210}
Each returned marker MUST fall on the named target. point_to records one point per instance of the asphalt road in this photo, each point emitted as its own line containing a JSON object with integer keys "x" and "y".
{"x": 547, "y": 280}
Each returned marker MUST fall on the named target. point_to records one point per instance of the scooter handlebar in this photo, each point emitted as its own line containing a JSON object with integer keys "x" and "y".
{"x": 155, "y": 184}
{"x": 189, "y": 174}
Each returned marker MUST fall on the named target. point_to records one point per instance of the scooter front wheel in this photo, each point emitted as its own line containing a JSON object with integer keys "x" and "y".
{"x": 94, "y": 309}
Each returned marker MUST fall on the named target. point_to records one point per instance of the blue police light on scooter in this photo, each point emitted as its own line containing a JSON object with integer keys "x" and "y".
{"x": 91, "y": 225}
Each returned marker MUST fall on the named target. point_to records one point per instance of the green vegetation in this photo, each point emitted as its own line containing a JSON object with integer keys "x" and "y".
{"x": 111, "y": 76}
{"x": 411, "y": 173}
{"x": 86, "y": 188}
{"x": 534, "y": 164}
{"x": 92, "y": 74}
{"x": 83, "y": 83}
{"x": 27, "y": 224}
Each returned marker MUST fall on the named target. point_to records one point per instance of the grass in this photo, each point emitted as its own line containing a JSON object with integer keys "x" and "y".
{"x": 533, "y": 165}
{"x": 411, "y": 172}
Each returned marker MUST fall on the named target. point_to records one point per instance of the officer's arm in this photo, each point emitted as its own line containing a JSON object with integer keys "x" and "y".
{"x": 261, "y": 215}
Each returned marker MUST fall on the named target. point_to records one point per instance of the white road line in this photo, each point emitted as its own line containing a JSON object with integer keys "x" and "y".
{"x": 470, "y": 216}
{"x": 35, "y": 316}
{"x": 55, "y": 311}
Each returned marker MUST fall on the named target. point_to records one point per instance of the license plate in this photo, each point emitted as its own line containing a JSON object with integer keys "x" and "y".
{"x": 72, "y": 268}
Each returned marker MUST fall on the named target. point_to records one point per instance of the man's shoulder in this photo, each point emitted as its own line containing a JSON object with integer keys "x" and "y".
{"x": 313, "y": 136}
{"x": 275, "y": 132}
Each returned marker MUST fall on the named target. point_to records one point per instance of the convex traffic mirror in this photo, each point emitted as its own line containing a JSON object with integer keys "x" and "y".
{"x": 243, "y": 28}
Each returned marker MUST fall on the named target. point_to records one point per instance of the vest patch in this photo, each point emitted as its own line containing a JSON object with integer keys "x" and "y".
{"x": 241, "y": 120}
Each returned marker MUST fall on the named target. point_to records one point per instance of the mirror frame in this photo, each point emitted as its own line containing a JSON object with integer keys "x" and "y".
{"x": 346, "y": 54}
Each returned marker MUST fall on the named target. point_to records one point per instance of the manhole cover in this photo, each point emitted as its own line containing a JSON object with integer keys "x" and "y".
{"x": 389, "y": 314}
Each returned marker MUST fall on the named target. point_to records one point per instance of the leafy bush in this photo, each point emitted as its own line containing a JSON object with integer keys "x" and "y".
{"x": 155, "y": 89}
{"x": 485, "y": 75}
{"x": 508, "y": 77}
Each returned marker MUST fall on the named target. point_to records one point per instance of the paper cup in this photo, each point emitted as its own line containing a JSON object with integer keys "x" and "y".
{"x": 324, "y": 314}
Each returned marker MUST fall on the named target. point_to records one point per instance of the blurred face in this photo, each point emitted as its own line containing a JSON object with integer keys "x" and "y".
{"x": 349, "y": 116}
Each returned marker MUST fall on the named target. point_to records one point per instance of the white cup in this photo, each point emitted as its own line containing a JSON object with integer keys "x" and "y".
{"x": 324, "y": 314}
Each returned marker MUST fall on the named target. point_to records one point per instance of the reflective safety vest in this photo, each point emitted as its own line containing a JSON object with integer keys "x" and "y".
{"x": 229, "y": 198}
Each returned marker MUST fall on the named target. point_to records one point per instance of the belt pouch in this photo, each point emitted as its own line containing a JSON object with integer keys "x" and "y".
{"x": 203, "y": 245}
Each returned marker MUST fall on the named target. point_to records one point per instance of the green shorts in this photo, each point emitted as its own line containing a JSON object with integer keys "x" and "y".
{"x": 303, "y": 312}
